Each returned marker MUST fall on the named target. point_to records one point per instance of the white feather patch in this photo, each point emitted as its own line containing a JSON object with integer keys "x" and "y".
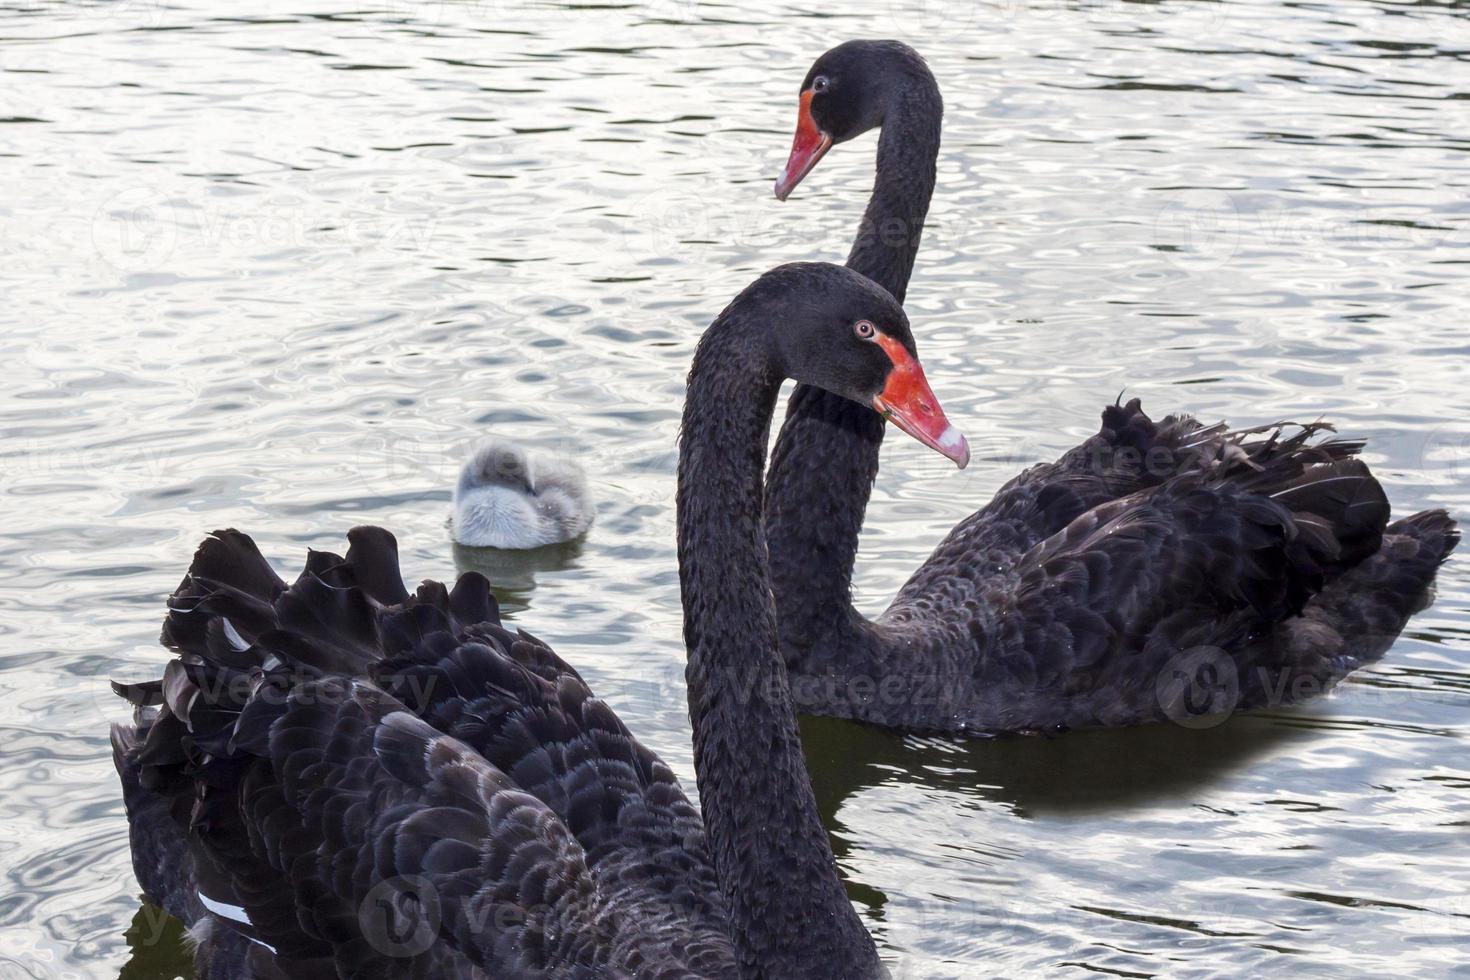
{"x": 234, "y": 913}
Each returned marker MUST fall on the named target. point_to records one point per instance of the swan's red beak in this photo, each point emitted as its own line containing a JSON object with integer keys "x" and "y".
{"x": 807, "y": 148}
{"x": 908, "y": 402}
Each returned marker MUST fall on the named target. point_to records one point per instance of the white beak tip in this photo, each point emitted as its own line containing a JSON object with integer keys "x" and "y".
{"x": 952, "y": 443}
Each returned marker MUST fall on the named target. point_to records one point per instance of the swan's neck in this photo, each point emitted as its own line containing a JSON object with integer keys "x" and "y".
{"x": 821, "y": 474}
{"x": 790, "y": 916}
{"x": 826, "y": 457}
{"x": 908, "y": 151}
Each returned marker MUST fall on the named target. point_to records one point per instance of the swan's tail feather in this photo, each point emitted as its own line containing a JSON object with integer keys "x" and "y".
{"x": 250, "y": 647}
{"x": 1356, "y": 618}
{"x": 372, "y": 558}
{"x": 228, "y": 578}
{"x": 243, "y": 635}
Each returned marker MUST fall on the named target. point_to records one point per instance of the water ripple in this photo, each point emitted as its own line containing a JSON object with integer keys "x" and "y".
{"x": 280, "y": 269}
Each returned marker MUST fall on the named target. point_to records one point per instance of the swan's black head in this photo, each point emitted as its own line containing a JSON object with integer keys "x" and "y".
{"x": 828, "y": 326}
{"x": 848, "y": 91}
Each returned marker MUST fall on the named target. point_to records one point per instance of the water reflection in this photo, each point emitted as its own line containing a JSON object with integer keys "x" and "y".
{"x": 512, "y": 574}
{"x": 157, "y": 949}
{"x": 1043, "y": 777}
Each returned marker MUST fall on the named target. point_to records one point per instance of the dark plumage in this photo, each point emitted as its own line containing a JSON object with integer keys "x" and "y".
{"x": 1271, "y": 552}
{"x": 339, "y": 777}
{"x": 340, "y": 742}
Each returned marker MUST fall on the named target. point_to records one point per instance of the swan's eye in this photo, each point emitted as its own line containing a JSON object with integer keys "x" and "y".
{"x": 821, "y": 83}
{"x": 864, "y": 329}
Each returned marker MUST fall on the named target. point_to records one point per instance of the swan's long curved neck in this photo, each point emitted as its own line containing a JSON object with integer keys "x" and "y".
{"x": 893, "y": 222}
{"x": 826, "y": 457}
{"x": 790, "y": 916}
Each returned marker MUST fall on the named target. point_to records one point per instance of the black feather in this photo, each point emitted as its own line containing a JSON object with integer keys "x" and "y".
{"x": 353, "y": 740}
{"x": 1062, "y": 602}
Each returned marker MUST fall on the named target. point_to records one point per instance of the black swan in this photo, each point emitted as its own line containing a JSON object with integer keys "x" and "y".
{"x": 511, "y": 498}
{"x": 338, "y": 777}
{"x": 1248, "y": 562}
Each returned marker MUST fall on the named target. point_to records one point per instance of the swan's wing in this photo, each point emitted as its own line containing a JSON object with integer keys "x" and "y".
{"x": 1202, "y": 566}
{"x": 393, "y": 839}
{"x": 1129, "y": 454}
{"x": 312, "y": 795}
{"x": 528, "y": 713}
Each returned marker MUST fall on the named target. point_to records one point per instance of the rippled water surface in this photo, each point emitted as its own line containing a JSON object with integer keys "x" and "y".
{"x": 277, "y": 265}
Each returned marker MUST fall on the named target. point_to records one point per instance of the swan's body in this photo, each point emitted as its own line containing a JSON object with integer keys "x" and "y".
{"x": 340, "y": 778}
{"x": 1063, "y": 601}
{"x": 508, "y": 497}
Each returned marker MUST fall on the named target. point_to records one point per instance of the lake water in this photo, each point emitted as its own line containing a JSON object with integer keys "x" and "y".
{"x": 278, "y": 266}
